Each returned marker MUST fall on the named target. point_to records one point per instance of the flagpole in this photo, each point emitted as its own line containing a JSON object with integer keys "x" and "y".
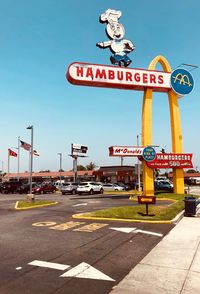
{"x": 31, "y": 165}
{"x": 8, "y": 162}
{"x": 18, "y": 156}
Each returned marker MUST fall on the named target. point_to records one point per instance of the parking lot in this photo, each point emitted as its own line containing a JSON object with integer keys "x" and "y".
{"x": 45, "y": 250}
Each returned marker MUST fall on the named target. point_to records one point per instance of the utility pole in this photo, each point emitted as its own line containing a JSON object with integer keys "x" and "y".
{"x": 60, "y": 154}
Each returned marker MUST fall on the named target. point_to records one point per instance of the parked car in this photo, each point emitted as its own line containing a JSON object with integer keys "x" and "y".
{"x": 25, "y": 188}
{"x": 163, "y": 185}
{"x": 112, "y": 187}
{"x": 125, "y": 186}
{"x": 58, "y": 184}
{"x": 89, "y": 188}
{"x": 69, "y": 188}
{"x": 162, "y": 179}
{"x": 43, "y": 189}
{"x": 10, "y": 187}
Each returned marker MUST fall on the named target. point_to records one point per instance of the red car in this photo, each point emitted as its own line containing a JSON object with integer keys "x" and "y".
{"x": 43, "y": 189}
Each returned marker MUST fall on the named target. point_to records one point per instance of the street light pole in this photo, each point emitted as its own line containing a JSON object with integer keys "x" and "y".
{"x": 31, "y": 161}
{"x": 18, "y": 147}
{"x": 60, "y": 154}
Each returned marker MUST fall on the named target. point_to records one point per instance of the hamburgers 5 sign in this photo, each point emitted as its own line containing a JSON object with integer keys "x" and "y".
{"x": 171, "y": 160}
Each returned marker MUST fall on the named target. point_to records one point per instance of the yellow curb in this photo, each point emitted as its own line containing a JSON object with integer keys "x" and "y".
{"x": 30, "y": 207}
{"x": 81, "y": 216}
{"x": 157, "y": 199}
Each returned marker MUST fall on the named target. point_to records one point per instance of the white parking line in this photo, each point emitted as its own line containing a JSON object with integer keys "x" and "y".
{"x": 80, "y": 204}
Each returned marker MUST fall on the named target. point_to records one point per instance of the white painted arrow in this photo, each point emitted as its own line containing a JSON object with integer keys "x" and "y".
{"x": 86, "y": 271}
{"x": 53, "y": 265}
{"x": 80, "y": 204}
{"x": 148, "y": 233}
{"x": 134, "y": 230}
{"x": 124, "y": 230}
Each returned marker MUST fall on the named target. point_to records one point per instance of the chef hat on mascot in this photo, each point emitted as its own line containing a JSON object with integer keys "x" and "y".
{"x": 110, "y": 16}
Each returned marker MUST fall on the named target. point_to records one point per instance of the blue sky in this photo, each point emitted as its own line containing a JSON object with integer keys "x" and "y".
{"x": 40, "y": 38}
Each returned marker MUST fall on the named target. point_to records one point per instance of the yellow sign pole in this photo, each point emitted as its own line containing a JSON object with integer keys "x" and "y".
{"x": 178, "y": 175}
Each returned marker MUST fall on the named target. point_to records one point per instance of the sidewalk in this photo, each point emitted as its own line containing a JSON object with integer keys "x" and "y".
{"x": 172, "y": 267}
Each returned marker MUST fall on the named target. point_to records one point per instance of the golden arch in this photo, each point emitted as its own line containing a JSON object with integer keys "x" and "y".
{"x": 183, "y": 79}
{"x": 176, "y": 133}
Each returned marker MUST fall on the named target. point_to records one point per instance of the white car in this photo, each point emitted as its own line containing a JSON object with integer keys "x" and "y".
{"x": 89, "y": 188}
{"x": 112, "y": 187}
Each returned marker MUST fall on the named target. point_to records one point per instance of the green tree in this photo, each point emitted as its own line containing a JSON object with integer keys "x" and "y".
{"x": 80, "y": 167}
{"x": 91, "y": 166}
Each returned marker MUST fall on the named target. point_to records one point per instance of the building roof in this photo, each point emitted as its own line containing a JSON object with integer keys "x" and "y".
{"x": 116, "y": 168}
{"x": 49, "y": 174}
{"x": 187, "y": 175}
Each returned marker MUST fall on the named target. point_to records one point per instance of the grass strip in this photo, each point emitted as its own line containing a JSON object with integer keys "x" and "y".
{"x": 28, "y": 205}
{"x": 138, "y": 212}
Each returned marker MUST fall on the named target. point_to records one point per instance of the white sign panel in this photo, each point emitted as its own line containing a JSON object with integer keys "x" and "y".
{"x": 97, "y": 75}
{"x": 77, "y": 148}
{"x": 125, "y": 151}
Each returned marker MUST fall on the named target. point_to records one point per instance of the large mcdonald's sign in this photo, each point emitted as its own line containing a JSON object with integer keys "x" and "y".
{"x": 175, "y": 84}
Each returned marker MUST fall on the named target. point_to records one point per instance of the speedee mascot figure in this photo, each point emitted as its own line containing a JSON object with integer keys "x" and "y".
{"x": 115, "y": 31}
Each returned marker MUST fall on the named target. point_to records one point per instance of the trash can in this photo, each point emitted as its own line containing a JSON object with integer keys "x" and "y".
{"x": 190, "y": 206}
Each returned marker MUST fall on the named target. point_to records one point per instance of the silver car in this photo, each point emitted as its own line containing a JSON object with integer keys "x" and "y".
{"x": 112, "y": 187}
{"x": 89, "y": 188}
{"x": 69, "y": 188}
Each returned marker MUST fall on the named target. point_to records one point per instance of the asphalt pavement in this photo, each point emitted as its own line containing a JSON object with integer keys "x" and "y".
{"x": 171, "y": 267}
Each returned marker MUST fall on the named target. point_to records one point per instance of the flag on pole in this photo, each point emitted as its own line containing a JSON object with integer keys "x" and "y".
{"x": 25, "y": 145}
{"x": 12, "y": 153}
{"x": 36, "y": 153}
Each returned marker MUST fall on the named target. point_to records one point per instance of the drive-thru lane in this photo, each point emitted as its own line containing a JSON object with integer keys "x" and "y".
{"x": 46, "y": 251}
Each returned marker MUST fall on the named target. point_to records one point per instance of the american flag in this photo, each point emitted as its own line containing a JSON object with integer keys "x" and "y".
{"x": 25, "y": 145}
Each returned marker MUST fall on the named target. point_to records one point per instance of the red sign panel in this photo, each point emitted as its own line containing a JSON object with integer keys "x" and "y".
{"x": 98, "y": 75}
{"x": 171, "y": 160}
{"x": 125, "y": 151}
{"x": 146, "y": 199}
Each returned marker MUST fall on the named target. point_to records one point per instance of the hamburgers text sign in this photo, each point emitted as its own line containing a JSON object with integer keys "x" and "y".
{"x": 171, "y": 160}
{"x": 98, "y": 75}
